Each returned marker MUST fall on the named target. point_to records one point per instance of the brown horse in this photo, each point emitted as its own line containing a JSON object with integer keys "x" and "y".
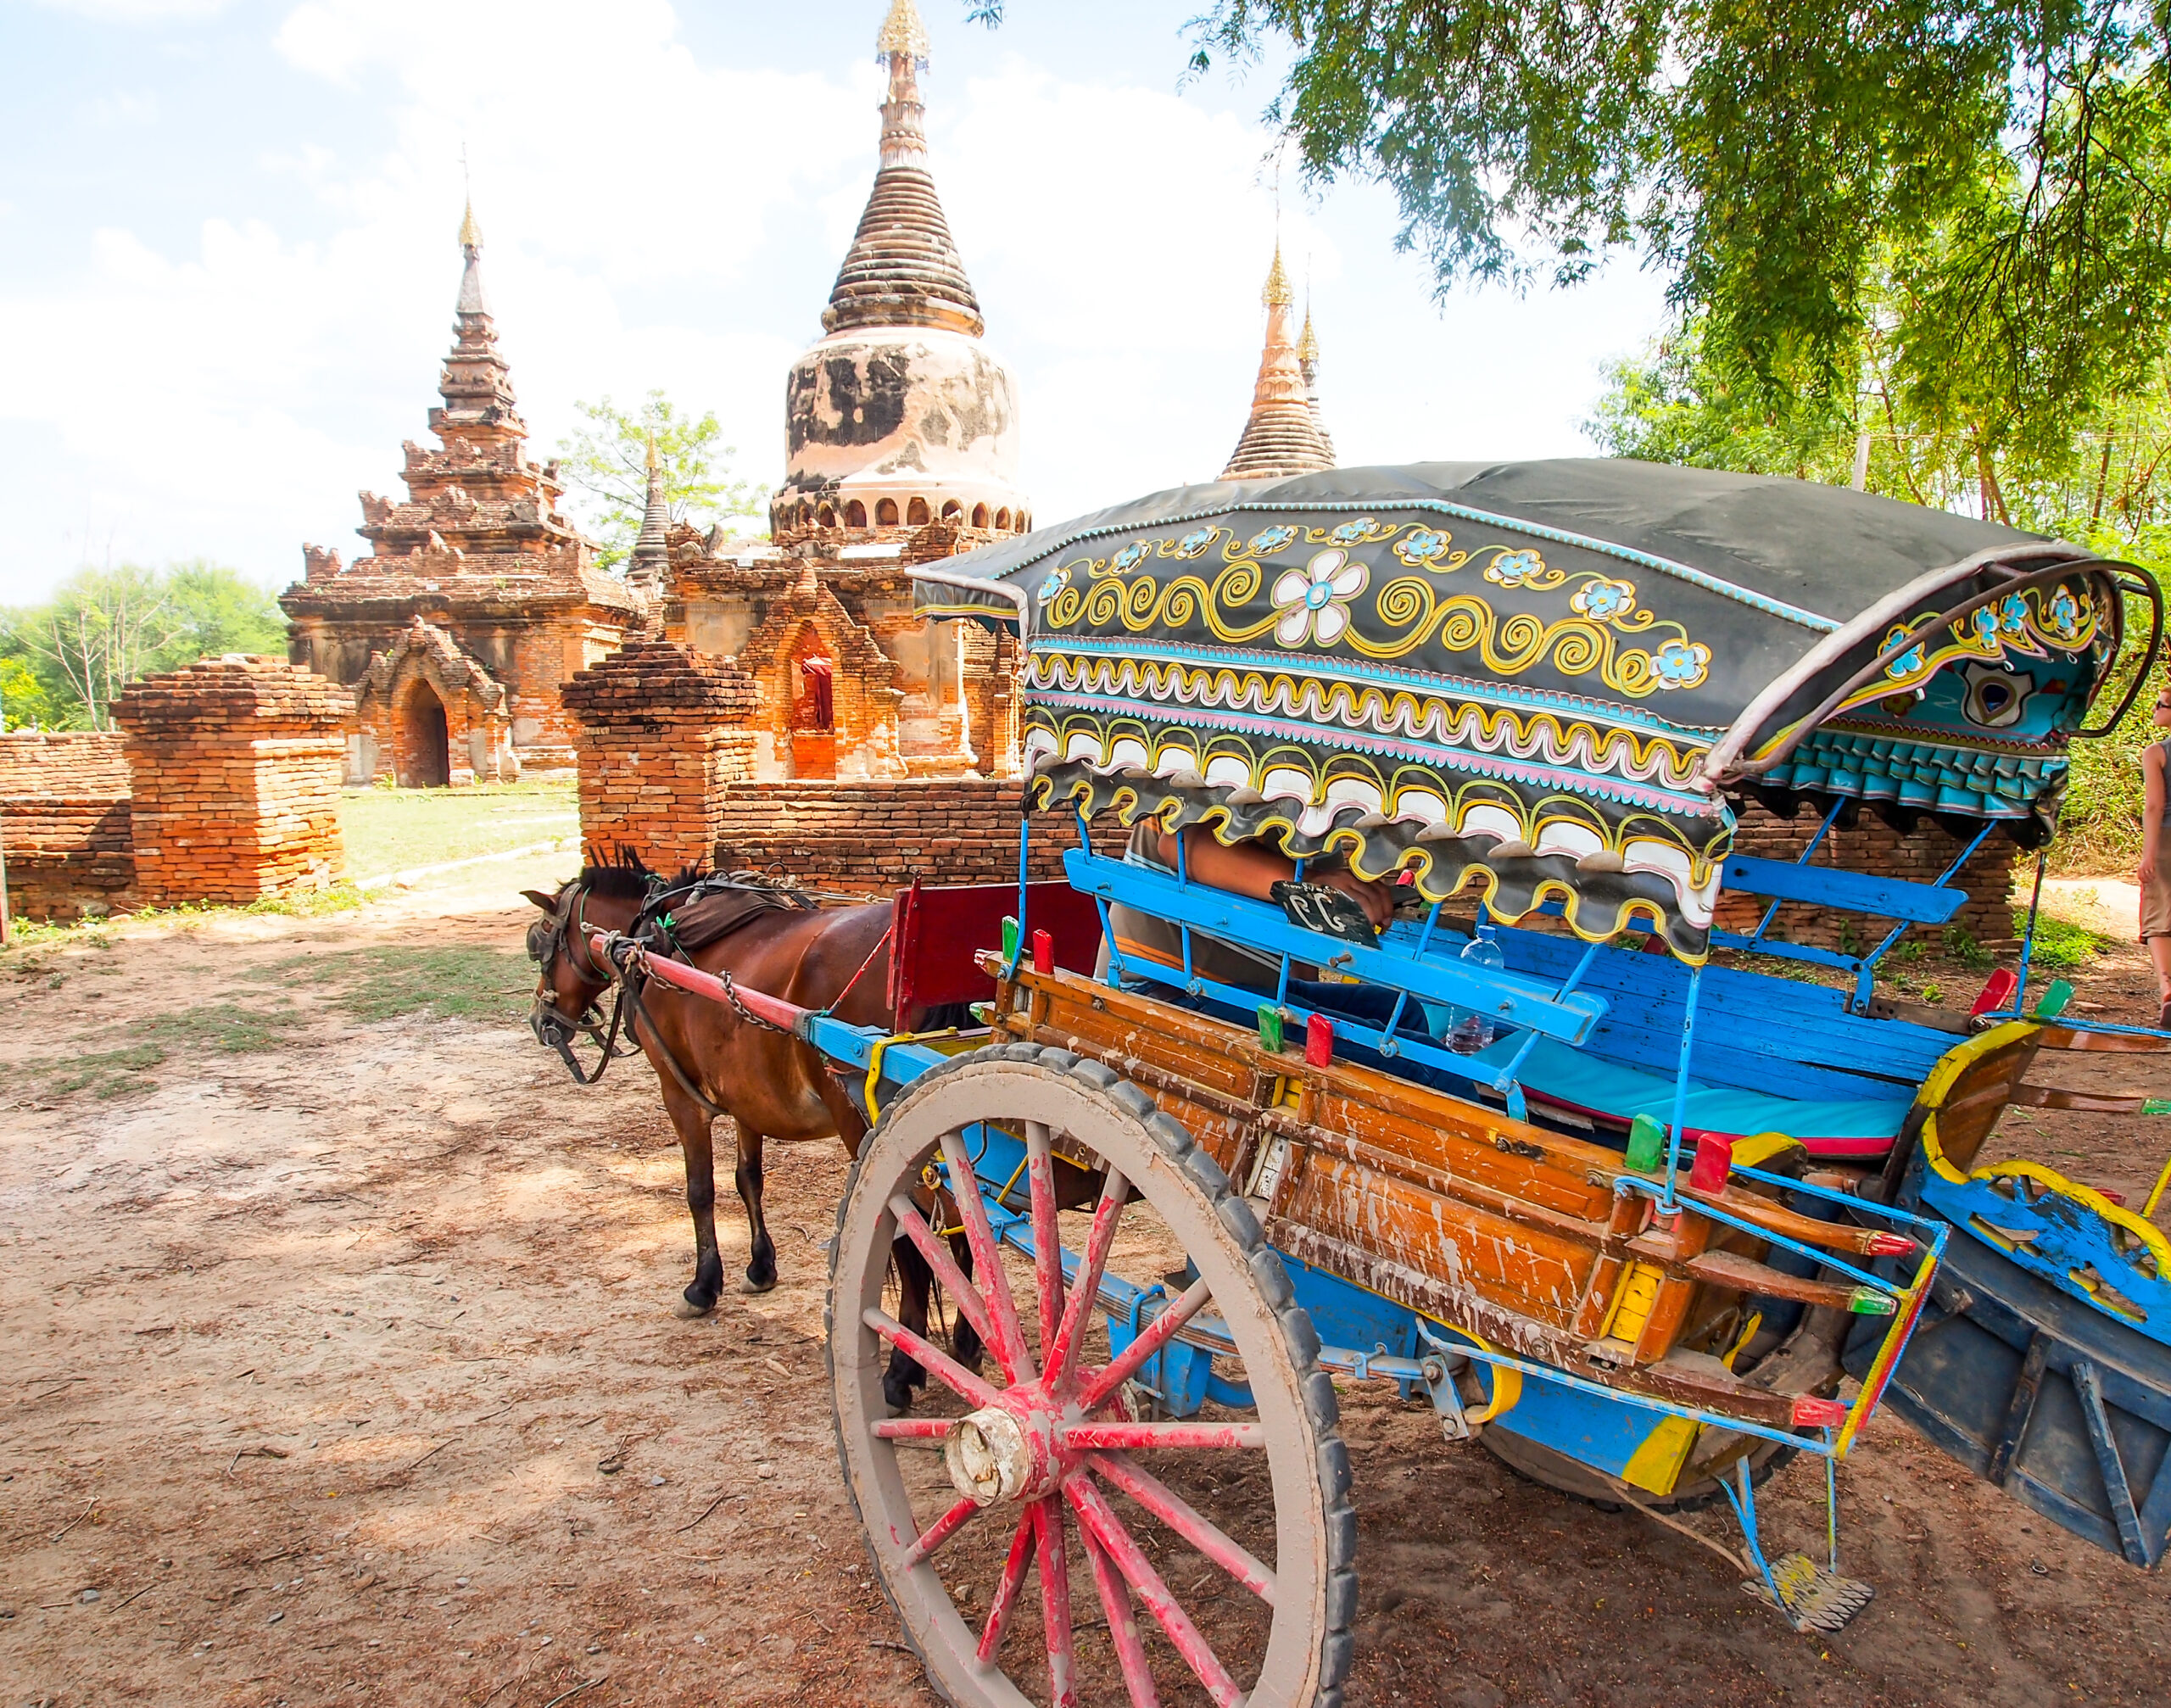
{"x": 709, "y": 1061}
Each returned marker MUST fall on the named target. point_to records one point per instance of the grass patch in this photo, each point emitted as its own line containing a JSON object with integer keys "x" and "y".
{"x": 2061, "y": 943}
{"x": 228, "y": 1028}
{"x": 390, "y": 830}
{"x": 106, "y": 1074}
{"x": 387, "y": 980}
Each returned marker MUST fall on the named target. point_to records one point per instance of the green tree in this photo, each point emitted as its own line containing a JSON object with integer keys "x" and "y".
{"x": 1770, "y": 158}
{"x": 105, "y": 628}
{"x": 2108, "y": 487}
{"x": 102, "y": 629}
{"x": 217, "y": 610}
{"x": 608, "y": 461}
{"x": 23, "y": 702}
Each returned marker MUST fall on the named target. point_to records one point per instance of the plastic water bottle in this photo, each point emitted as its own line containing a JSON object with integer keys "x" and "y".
{"x": 1474, "y": 1031}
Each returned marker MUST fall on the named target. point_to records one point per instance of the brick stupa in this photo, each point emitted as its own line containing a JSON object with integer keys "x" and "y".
{"x": 476, "y": 566}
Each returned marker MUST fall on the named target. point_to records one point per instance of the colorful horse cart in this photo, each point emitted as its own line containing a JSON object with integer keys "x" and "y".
{"x": 1628, "y": 1218}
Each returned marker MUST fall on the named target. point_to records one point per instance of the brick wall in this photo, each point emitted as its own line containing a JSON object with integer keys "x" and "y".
{"x": 64, "y": 824}
{"x": 1874, "y": 846}
{"x": 661, "y": 736}
{"x": 236, "y": 764}
{"x": 875, "y": 836}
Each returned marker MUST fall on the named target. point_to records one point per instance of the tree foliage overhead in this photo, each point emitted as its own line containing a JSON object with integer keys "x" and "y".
{"x": 608, "y": 461}
{"x": 1771, "y": 158}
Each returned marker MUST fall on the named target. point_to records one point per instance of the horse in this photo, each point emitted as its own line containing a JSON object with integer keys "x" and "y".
{"x": 710, "y": 1061}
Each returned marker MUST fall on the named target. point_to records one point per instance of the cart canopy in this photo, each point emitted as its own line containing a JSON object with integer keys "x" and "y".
{"x": 1549, "y": 678}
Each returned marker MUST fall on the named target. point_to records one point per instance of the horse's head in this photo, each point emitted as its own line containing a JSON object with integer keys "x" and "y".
{"x": 570, "y": 978}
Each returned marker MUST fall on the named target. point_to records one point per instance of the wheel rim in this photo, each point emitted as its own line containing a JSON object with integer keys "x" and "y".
{"x": 1094, "y": 1515}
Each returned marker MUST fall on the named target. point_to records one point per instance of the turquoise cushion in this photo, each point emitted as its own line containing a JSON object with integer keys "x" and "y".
{"x": 1561, "y": 1074}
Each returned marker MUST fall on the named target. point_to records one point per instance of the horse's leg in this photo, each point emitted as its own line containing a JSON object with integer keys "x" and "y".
{"x": 964, "y": 1338}
{"x": 693, "y": 1125}
{"x": 914, "y": 1281}
{"x": 762, "y": 1252}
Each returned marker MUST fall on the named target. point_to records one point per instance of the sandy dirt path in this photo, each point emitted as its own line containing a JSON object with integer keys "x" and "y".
{"x": 342, "y": 1370}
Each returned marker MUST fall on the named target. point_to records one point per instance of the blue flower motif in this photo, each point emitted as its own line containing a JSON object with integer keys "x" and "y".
{"x": 1513, "y": 568}
{"x": 2065, "y": 614}
{"x": 1195, "y": 541}
{"x": 1603, "y": 598}
{"x": 1422, "y": 546}
{"x": 1053, "y": 585}
{"x": 2012, "y": 614}
{"x": 1682, "y": 663}
{"x": 1128, "y": 558}
{"x": 1269, "y": 540}
{"x": 1905, "y": 665}
{"x": 1351, "y": 531}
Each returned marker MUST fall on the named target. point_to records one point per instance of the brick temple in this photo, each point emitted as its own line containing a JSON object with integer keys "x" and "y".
{"x": 902, "y": 440}
{"x": 477, "y": 599}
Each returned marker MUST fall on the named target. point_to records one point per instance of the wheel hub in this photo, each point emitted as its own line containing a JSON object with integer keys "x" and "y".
{"x": 1005, "y": 1452}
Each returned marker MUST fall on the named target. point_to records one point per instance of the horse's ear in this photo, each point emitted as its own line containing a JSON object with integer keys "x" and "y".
{"x": 549, "y": 904}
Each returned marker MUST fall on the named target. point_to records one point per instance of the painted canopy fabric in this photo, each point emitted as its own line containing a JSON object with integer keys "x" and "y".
{"x": 1505, "y": 677}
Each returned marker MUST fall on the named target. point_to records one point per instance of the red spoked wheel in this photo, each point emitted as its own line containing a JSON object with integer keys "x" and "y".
{"x": 1041, "y": 1543}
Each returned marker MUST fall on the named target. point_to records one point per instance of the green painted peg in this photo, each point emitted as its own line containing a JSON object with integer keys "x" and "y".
{"x": 1269, "y": 1028}
{"x": 1646, "y": 1145}
{"x": 2054, "y": 998}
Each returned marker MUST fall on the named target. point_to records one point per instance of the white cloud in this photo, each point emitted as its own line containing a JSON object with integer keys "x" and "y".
{"x": 654, "y": 218}
{"x": 123, "y": 109}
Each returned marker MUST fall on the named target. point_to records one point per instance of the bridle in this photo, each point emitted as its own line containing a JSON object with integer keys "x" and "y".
{"x": 565, "y": 931}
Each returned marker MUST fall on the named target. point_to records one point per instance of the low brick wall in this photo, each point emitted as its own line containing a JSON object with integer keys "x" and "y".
{"x": 237, "y": 764}
{"x": 64, "y": 824}
{"x": 876, "y": 836}
{"x": 1875, "y": 847}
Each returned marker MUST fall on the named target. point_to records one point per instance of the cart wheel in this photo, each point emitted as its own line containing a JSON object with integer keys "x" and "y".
{"x": 1209, "y": 1559}
{"x": 1556, "y": 1471}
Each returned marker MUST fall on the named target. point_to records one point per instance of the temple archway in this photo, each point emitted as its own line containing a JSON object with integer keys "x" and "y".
{"x": 424, "y": 740}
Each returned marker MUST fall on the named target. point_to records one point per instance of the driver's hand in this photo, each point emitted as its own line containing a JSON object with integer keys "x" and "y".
{"x": 1374, "y": 896}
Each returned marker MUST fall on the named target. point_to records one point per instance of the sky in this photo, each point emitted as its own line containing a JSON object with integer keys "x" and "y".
{"x": 228, "y": 255}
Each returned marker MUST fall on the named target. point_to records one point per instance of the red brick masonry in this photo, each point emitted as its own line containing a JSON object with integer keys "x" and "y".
{"x": 63, "y": 823}
{"x": 663, "y": 733}
{"x": 877, "y": 836}
{"x": 237, "y": 765}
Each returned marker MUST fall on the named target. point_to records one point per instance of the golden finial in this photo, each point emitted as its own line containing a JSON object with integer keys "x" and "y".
{"x": 903, "y": 32}
{"x": 1307, "y": 347}
{"x": 1277, "y": 291}
{"x": 654, "y": 462}
{"x": 471, "y": 234}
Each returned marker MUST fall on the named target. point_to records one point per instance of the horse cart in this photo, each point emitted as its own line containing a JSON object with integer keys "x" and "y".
{"x": 1582, "y": 1150}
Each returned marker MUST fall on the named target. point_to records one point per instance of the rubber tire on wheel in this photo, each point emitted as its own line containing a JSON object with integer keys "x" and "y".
{"x": 1307, "y": 1650}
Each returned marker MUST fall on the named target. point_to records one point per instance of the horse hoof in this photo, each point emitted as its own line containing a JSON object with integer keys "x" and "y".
{"x": 686, "y": 1308}
{"x": 747, "y": 1284}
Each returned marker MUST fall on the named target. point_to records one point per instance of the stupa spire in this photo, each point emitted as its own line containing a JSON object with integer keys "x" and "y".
{"x": 476, "y": 385}
{"x": 650, "y": 562}
{"x": 903, "y": 268}
{"x": 1308, "y": 363}
{"x": 1283, "y": 436}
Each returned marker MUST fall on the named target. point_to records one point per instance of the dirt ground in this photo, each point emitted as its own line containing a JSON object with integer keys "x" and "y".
{"x": 340, "y": 1368}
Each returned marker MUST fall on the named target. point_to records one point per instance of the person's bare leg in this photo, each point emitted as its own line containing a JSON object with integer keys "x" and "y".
{"x": 2159, "y": 951}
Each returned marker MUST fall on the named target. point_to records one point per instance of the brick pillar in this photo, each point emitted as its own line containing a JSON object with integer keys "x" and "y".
{"x": 235, "y": 766}
{"x": 663, "y": 728}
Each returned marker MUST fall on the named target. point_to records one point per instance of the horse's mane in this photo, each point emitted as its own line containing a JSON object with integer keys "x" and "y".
{"x": 624, "y": 875}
